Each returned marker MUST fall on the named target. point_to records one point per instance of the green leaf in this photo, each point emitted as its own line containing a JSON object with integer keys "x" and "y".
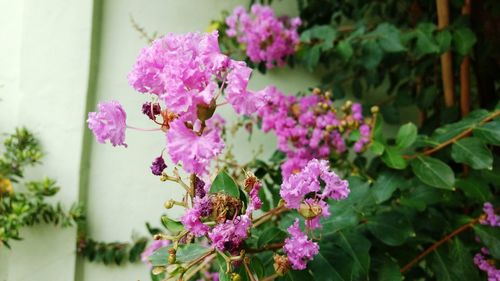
{"x": 311, "y": 57}
{"x": 463, "y": 40}
{"x": 475, "y": 188}
{"x": 388, "y": 38}
{"x": 224, "y": 183}
{"x": 439, "y": 264}
{"x": 339, "y": 220}
{"x": 433, "y": 172}
{"x": 371, "y": 55}
{"x": 357, "y": 247}
{"x": 190, "y": 252}
{"x": 325, "y": 33}
{"x": 377, "y": 148}
{"x": 425, "y": 41}
{"x": 392, "y": 158}
{"x": 463, "y": 267}
{"x": 407, "y": 135}
{"x": 323, "y": 269}
{"x": 344, "y": 49}
{"x": 271, "y": 235}
{"x": 443, "y": 39}
{"x": 490, "y": 237}
{"x": 172, "y": 225}
{"x": 385, "y": 185}
{"x": 221, "y": 262}
{"x": 391, "y": 228}
{"x": 452, "y": 130}
{"x": 389, "y": 271}
{"x": 489, "y": 132}
{"x": 160, "y": 256}
{"x": 257, "y": 267}
{"x": 473, "y": 152}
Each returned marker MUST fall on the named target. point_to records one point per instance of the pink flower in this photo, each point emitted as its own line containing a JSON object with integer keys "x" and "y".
{"x": 483, "y": 264}
{"x": 299, "y": 248}
{"x": 267, "y": 38}
{"x": 229, "y": 235}
{"x": 297, "y": 186}
{"x": 193, "y": 150}
{"x": 181, "y": 69}
{"x": 108, "y": 123}
{"x": 155, "y": 245}
{"x": 491, "y": 218}
{"x": 243, "y": 101}
{"x": 192, "y": 218}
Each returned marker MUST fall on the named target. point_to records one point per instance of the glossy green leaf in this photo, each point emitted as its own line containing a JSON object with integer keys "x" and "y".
{"x": 443, "y": 38}
{"x": 388, "y": 38}
{"x": 344, "y": 49}
{"x": 433, "y": 172}
{"x": 224, "y": 183}
{"x": 377, "y": 148}
{"x": 475, "y": 189}
{"x": 271, "y": 235}
{"x": 407, "y": 135}
{"x": 473, "y": 152}
{"x": 449, "y": 131}
{"x": 490, "y": 237}
{"x": 425, "y": 40}
{"x": 463, "y": 40}
{"x": 385, "y": 185}
{"x": 172, "y": 225}
{"x": 189, "y": 252}
{"x": 389, "y": 271}
{"x": 391, "y": 228}
{"x": 160, "y": 256}
{"x": 392, "y": 158}
{"x": 489, "y": 132}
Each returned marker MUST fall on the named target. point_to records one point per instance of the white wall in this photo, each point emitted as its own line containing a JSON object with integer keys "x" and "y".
{"x": 48, "y": 69}
{"x": 45, "y": 62}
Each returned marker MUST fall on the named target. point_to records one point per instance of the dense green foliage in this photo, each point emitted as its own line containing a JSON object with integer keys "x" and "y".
{"x": 412, "y": 188}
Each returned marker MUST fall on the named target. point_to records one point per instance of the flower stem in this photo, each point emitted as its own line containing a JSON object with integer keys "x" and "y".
{"x": 438, "y": 243}
{"x": 267, "y": 216}
{"x": 143, "y": 130}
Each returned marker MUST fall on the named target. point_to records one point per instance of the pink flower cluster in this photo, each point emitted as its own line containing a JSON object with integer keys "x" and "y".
{"x": 490, "y": 217}
{"x": 484, "y": 265}
{"x": 308, "y": 182}
{"x": 229, "y": 233}
{"x": 299, "y": 248}
{"x": 109, "y": 123}
{"x": 306, "y": 127}
{"x": 187, "y": 73}
{"x": 267, "y": 38}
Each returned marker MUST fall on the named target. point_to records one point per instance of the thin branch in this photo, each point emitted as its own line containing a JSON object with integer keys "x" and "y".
{"x": 439, "y": 243}
{"x": 268, "y": 247}
{"x": 463, "y": 134}
{"x": 141, "y": 30}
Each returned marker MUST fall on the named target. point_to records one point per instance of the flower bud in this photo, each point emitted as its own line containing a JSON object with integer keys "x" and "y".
{"x": 374, "y": 109}
{"x": 235, "y": 277}
{"x": 250, "y": 182}
{"x": 205, "y": 112}
{"x": 316, "y": 91}
{"x": 328, "y": 94}
{"x": 310, "y": 211}
{"x": 281, "y": 264}
{"x": 172, "y": 256}
{"x": 169, "y": 204}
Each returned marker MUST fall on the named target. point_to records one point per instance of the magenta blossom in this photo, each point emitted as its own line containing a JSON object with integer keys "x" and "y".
{"x": 299, "y": 248}
{"x": 229, "y": 235}
{"x": 109, "y": 123}
{"x": 267, "y": 38}
{"x": 491, "y": 218}
{"x": 193, "y": 150}
{"x": 484, "y": 265}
